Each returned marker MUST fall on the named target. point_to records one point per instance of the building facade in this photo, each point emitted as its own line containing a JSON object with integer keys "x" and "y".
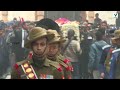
{"x": 37, "y": 15}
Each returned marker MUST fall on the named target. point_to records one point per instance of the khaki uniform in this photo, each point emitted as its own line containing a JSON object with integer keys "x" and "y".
{"x": 34, "y": 67}
{"x": 67, "y": 66}
{"x": 28, "y": 69}
{"x": 65, "y": 63}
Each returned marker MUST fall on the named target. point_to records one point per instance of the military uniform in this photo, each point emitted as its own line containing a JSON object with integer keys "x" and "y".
{"x": 65, "y": 63}
{"x": 28, "y": 69}
{"x": 67, "y": 66}
{"x": 50, "y": 24}
{"x": 35, "y": 67}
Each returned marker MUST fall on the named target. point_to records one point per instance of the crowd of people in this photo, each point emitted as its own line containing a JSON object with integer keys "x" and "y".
{"x": 39, "y": 50}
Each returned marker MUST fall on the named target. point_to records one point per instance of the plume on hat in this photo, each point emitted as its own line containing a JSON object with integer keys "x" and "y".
{"x": 48, "y": 24}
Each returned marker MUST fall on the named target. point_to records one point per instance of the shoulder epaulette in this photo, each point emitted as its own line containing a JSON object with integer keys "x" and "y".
{"x": 66, "y": 63}
{"x": 62, "y": 63}
{"x": 56, "y": 65}
{"x": 61, "y": 57}
{"x": 106, "y": 46}
{"x": 117, "y": 50}
{"x": 21, "y": 62}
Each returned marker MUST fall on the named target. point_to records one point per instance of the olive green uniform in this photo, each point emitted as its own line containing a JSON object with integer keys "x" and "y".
{"x": 35, "y": 67}
{"x": 47, "y": 70}
{"x": 66, "y": 65}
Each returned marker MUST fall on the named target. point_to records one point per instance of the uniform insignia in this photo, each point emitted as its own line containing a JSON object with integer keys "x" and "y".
{"x": 16, "y": 66}
{"x": 66, "y": 61}
{"x": 69, "y": 68}
{"x": 30, "y": 55}
{"x": 44, "y": 76}
{"x": 56, "y": 65}
{"x": 59, "y": 69}
{"x": 49, "y": 76}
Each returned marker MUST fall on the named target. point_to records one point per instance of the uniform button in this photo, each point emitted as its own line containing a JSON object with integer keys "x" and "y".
{"x": 28, "y": 70}
{"x": 31, "y": 75}
{"x": 25, "y": 65}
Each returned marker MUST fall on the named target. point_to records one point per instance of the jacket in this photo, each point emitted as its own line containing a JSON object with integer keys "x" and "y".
{"x": 95, "y": 54}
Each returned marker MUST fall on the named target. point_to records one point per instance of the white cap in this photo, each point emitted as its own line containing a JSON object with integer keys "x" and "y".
{"x": 89, "y": 37}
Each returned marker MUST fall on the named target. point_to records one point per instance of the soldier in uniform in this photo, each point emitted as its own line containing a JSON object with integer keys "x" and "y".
{"x": 49, "y": 24}
{"x": 37, "y": 66}
{"x": 54, "y": 54}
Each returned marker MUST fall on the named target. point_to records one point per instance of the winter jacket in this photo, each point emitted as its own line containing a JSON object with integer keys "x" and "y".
{"x": 95, "y": 55}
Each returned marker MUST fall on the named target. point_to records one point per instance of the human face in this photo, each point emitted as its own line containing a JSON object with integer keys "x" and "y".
{"x": 96, "y": 15}
{"x": 103, "y": 25}
{"x": 118, "y": 41}
{"x": 53, "y": 49}
{"x": 39, "y": 47}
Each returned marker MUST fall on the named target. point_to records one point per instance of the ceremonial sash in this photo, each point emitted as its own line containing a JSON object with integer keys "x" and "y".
{"x": 29, "y": 71}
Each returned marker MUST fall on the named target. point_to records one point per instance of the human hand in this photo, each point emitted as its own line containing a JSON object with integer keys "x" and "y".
{"x": 102, "y": 75}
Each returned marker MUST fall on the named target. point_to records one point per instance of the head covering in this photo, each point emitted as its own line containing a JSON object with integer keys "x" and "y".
{"x": 57, "y": 38}
{"x": 36, "y": 33}
{"x": 48, "y": 24}
{"x": 116, "y": 34}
